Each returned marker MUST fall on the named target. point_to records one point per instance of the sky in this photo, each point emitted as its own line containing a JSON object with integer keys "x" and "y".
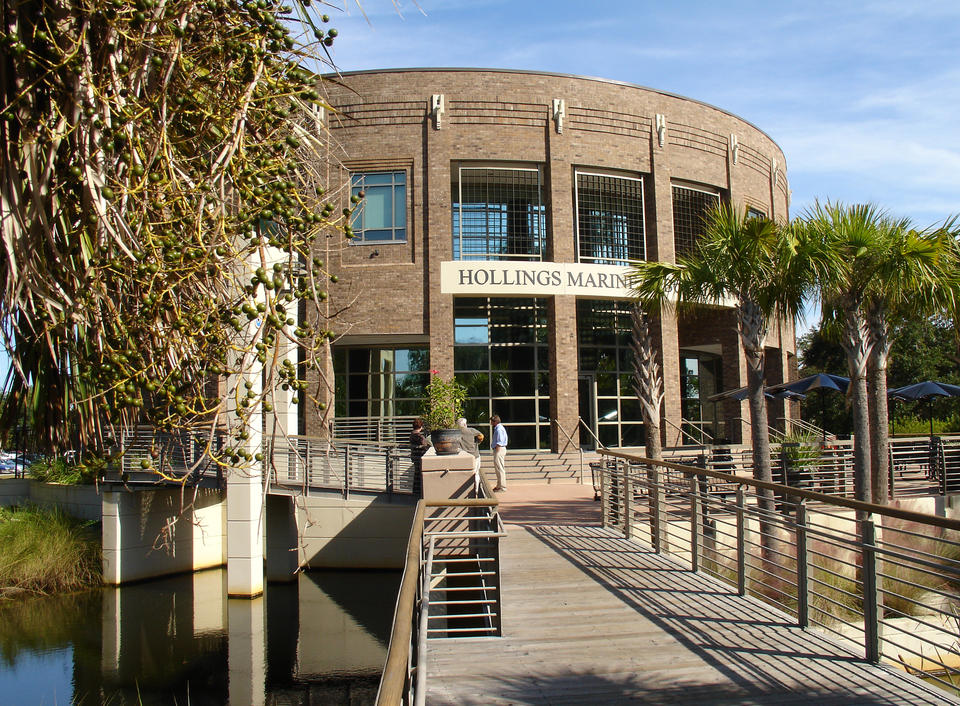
{"x": 861, "y": 96}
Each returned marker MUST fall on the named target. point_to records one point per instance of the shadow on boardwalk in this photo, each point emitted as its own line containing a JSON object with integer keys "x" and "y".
{"x": 590, "y": 618}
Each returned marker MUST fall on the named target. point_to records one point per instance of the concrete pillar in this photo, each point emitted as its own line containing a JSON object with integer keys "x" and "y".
{"x": 246, "y": 647}
{"x": 111, "y": 538}
{"x": 282, "y": 539}
{"x": 245, "y": 496}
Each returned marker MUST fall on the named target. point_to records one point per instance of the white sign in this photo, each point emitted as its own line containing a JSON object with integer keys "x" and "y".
{"x": 534, "y": 279}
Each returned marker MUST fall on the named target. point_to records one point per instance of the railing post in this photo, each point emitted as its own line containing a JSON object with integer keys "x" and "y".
{"x": 871, "y": 608}
{"x": 388, "y": 471}
{"x": 656, "y": 510}
{"x": 891, "y": 469}
{"x": 941, "y": 465}
{"x": 803, "y": 579}
{"x": 741, "y": 542}
{"x": 627, "y": 494}
{"x": 604, "y": 492}
{"x": 696, "y": 525}
{"x": 346, "y": 471}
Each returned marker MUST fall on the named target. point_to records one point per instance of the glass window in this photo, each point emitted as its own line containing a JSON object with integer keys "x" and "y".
{"x": 380, "y": 382}
{"x": 498, "y": 214}
{"x": 506, "y": 374}
{"x": 610, "y": 227}
{"x": 382, "y": 214}
{"x": 690, "y": 206}
{"x": 603, "y": 337}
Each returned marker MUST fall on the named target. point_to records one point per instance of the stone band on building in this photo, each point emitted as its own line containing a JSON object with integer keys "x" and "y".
{"x": 500, "y": 211}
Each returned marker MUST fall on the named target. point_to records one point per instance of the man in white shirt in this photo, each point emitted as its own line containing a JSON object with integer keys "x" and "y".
{"x": 499, "y": 445}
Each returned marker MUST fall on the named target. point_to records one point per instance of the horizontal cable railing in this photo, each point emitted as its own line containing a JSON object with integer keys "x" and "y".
{"x": 450, "y": 588}
{"x": 388, "y": 430}
{"x": 149, "y": 453}
{"x": 346, "y": 465}
{"x": 880, "y": 579}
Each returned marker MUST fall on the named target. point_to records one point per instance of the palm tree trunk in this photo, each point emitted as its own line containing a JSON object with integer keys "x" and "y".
{"x": 879, "y": 413}
{"x": 753, "y": 330}
{"x": 647, "y": 381}
{"x": 856, "y": 343}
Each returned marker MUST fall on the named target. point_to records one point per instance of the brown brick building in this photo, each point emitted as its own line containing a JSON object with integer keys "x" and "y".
{"x": 500, "y": 211}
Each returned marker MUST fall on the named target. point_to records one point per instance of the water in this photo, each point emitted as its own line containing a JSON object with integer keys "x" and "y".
{"x": 320, "y": 640}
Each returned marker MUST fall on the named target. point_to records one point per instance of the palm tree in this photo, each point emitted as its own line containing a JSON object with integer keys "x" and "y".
{"x": 764, "y": 271}
{"x": 647, "y": 379}
{"x": 919, "y": 272}
{"x": 858, "y": 239}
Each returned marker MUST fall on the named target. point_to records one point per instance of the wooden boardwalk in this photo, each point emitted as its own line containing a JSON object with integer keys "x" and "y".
{"x": 590, "y": 618}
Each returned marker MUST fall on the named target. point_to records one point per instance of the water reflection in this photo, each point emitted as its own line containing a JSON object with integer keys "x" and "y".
{"x": 180, "y": 640}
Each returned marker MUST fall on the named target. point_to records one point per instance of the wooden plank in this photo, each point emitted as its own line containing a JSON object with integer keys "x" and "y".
{"x": 591, "y": 618}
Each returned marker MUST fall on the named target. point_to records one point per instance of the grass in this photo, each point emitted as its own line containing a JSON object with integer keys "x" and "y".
{"x": 46, "y": 551}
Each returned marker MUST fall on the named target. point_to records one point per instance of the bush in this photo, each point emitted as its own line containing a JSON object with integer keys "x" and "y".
{"x": 919, "y": 425}
{"x": 46, "y": 551}
{"x": 58, "y": 470}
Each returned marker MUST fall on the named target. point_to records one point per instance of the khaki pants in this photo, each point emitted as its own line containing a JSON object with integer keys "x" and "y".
{"x": 499, "y": 457}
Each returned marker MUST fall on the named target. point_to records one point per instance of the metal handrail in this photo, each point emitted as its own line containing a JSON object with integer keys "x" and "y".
{"x": 569, "y": 438}
{"x": 582, "y": 423}
{"x": 799, "y": 493}
{"x": 397, "y": 669}
{"x": 889, "y": 577}
{"x": 683, "y": 432}
{"x": 808, "y": 427}
{"x": 346, "y": 465}
{"x": 775, "y": 434}
{"x": 404, "y": 675}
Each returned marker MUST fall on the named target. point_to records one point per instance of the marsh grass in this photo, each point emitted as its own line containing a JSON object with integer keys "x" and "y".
{"x": 46, "y": 551}
{"x": 903, "y": 585}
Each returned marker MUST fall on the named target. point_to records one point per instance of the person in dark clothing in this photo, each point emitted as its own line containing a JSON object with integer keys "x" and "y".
{"x": 419, "y": 443}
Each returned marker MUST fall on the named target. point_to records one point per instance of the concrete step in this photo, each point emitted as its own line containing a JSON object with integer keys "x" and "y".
{"x": 542, "y": 467}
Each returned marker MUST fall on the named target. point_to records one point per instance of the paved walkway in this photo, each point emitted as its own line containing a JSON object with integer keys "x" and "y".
{"x": 590, "y": 618}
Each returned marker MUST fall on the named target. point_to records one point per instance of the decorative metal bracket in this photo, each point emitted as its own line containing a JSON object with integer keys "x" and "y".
{"x": 436, "y": 109}
{"x": 661, "y": 129}
{"x": 734, "y": 148}
{"x": 559, "y": 113}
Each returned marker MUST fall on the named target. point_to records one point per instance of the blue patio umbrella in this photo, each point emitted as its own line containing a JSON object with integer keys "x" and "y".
{"x": 817, "y": 381}
{"x": 926, "y": 390}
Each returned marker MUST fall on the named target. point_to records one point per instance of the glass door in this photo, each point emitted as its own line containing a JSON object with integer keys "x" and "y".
{"x": 588, "y": 411}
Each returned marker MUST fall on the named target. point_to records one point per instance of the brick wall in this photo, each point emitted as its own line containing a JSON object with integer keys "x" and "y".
{"x": 381, "y": 120}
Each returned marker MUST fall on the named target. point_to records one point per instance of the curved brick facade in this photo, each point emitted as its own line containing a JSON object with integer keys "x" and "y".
{"x": 426, "y": 124}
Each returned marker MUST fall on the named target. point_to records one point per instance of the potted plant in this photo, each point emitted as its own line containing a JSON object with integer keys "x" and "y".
{"x": 443, "y": 406}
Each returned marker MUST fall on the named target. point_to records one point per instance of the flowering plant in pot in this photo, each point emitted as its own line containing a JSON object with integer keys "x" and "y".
{"x": 442, "y": 408}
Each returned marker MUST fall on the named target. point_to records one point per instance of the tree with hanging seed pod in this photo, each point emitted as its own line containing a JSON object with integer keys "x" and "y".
{"x": 163, "y": 209}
